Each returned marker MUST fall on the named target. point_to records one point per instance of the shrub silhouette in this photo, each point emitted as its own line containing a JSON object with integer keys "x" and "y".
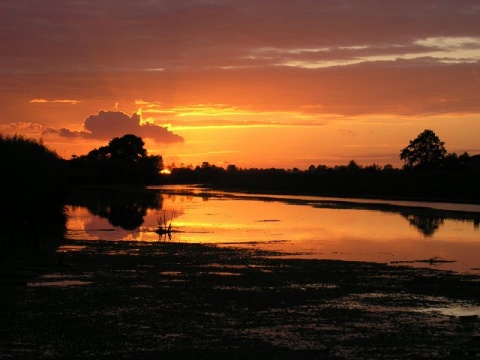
{"x": 32, "y": 188}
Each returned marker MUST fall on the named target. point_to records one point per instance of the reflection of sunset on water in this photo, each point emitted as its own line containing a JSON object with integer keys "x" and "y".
{"x": 301, "y": 228}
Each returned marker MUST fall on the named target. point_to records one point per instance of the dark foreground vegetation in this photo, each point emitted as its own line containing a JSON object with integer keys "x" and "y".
{"x": 164, "y": 300}
{"x": 32, "y": 190}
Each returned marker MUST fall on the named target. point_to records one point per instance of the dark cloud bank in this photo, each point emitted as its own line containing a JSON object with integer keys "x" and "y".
{"x": 109, "y": 124}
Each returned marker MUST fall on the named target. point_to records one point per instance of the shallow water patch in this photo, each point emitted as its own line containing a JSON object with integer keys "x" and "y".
{"x": 314, "y": 286}
{"x": 241, "y": 288}
{"x": 461, "y": 312}
{"x": 56, "y": 279}
{"x": 58, "y": 283}
{"x": 70, "y": 248}
{"x": 171, "y": 273}
{"x": 222, "y": 273}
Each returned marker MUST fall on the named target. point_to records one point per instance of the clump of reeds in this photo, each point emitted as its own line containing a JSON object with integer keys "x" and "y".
{"x": 165, "y": 224}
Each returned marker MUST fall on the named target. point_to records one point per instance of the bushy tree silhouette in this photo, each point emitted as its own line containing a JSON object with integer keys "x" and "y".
{"x": 426, "y": 151}
{"x": 129, "y": 148}
{"x": 123, "y": 160}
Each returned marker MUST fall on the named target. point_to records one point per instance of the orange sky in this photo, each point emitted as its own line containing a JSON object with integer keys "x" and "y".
{"x": 256, "y": 83}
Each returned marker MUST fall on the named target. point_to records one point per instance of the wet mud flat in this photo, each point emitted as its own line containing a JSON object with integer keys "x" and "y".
{"x": 163, "y": 300}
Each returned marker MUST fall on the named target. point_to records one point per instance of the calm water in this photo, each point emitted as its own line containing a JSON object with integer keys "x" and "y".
{"x": 310, "y": 227}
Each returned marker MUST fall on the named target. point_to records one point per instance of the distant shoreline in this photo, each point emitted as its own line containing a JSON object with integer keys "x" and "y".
{"x": 347, "y": 196}
{"x": 400, "y": 185}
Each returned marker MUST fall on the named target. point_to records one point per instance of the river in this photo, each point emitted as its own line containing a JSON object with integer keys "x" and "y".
{"x": 421, "y": 234}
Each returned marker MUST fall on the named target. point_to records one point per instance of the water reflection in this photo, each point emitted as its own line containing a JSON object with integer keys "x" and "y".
{"x": 306, "y": 226}
{"x": 426, "y": 224}
{"x": 124, "y": 208}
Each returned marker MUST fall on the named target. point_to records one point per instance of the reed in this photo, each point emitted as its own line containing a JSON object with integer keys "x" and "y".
{"x": 165, "y": 224}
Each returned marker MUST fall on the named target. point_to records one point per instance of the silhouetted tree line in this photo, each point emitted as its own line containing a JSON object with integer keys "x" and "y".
{"x": 32, "y": 194}
{"x": 429, "y": 173}
{"x": 123, "y": 160}
{"x": 370, "y": 181}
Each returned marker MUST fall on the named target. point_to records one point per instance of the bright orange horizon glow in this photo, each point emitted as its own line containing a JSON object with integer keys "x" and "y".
{"x": 238, "y": 85}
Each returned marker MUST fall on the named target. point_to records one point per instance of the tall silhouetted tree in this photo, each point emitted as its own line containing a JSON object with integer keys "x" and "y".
{"x": 426, "y": 151}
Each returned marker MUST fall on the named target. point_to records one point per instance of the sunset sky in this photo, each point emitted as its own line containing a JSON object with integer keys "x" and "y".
{"x": 255, "y": 83}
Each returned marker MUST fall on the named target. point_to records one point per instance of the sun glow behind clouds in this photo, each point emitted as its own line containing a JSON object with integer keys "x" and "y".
{"x": 221, "y": 116}
{"x": 241, "y": 84}
{"x": 190, "y": 110}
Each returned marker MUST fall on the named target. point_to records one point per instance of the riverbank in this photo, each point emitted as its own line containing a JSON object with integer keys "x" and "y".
{"x": 438, "y": 186}
{"x": 110, "y": 300}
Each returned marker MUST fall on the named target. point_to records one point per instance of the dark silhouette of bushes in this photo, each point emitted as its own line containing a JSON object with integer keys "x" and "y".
{"x": 32, "y": 190}
{"x": 347, "y": 181}
{"x": 124, "y": 160}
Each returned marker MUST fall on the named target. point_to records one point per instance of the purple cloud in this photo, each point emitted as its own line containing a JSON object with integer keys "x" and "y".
{"x": 109, "y": 124}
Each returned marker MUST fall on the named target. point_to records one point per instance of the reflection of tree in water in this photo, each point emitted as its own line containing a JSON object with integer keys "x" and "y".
{"x": 427, "y": 224}
{"x": 121, "y": 213}
{"x": 122, "y": 208}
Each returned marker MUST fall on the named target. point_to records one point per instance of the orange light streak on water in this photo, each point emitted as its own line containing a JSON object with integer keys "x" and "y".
{"x": 299, "y": 229}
